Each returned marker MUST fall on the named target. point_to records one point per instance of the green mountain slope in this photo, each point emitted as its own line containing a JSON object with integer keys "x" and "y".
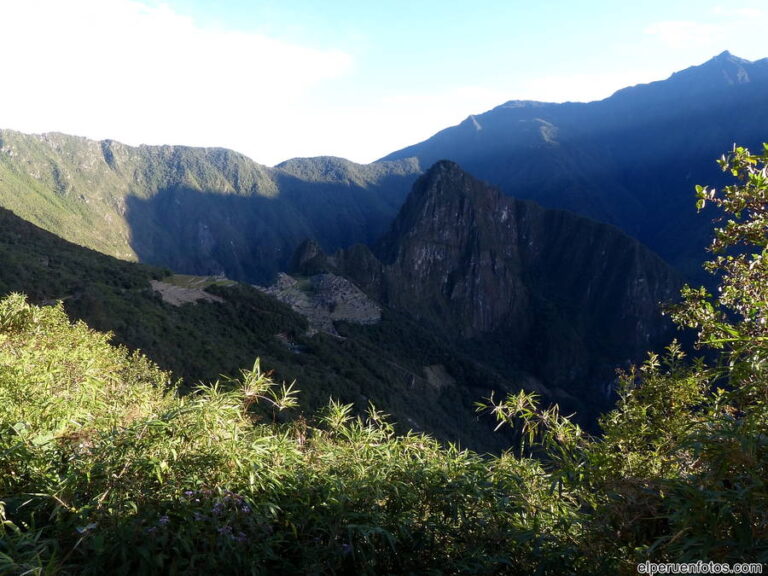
{"x": 195, "y": 210}
{"x": 389, "y": 364}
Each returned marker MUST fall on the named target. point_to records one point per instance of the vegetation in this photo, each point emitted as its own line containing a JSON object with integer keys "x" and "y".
{"x": 200, "y": 342}
{"x": 680, "y": 471}
{"x": 196, "y": 210}
{"x": 105, "y": 469}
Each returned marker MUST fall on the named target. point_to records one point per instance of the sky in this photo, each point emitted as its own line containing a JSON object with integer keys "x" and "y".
{"x": 276, "y": 79}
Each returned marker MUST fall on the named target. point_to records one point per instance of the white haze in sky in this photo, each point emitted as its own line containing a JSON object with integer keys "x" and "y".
{"x": 146, "y": 73}
{"x": 119, "y": 69}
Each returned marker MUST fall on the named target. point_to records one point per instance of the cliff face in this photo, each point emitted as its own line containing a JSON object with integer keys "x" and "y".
{"x": 453, "y": 254}
{"x": 556, "y": 295}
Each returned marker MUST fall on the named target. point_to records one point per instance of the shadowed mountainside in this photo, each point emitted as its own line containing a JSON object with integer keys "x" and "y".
{"x": 520, "y": 287}
{"x": 406, "y": 370}
{"x": 631, "y": 160}
{"x": 196, "y": 210}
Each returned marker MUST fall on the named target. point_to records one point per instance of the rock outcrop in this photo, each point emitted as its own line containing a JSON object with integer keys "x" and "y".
{"x": 547, "y": 292}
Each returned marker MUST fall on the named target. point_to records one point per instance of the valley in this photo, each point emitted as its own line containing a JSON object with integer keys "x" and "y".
{"x": 539, "y": 298}
{"x": 463, "y": 358}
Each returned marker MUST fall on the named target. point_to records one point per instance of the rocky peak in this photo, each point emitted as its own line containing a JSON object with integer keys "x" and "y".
{"x": 442, "y": 208}
{"x": 557, "y": 294}
{"x": 716, "y": 74}
{"x": 725, "y": 69}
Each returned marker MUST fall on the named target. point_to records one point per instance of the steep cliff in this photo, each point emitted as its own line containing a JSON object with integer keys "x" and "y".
{"x": 558, "y": 296}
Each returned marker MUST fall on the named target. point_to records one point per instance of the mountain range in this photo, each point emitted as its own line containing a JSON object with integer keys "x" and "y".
{"x": 543, "y": 273}
{"x": 631, "y": 160}
{"x": 195, "y": 210}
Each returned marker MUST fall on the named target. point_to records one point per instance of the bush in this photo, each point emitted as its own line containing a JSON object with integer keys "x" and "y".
{"x": 680, "y": 471}
{"x": 104, "y": 468}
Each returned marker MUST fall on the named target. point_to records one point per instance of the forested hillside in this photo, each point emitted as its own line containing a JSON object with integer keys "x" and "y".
{"x": 200, "y": 211}
{"x": 388, "y": 363}
{"x": 103, "y": 467}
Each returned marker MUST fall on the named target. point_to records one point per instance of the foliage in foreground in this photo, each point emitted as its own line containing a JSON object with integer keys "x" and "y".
{"x": 680, "y": 472}
{"x": 104, "y": 469}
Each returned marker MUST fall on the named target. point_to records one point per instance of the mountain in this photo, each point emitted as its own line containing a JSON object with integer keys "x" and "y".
{"x": 195, "y": 210}
{"x": 421, "y": 302}
{"x": 631, "y": 160}
{"x": 424, "y": 382}
{"x": 546, "y": 297}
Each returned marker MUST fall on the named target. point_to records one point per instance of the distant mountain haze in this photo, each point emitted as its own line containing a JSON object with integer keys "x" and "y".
{"x": 631, "y": 160}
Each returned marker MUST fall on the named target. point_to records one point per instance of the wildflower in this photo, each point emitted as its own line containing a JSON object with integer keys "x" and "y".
{"x": 163, "y": 520}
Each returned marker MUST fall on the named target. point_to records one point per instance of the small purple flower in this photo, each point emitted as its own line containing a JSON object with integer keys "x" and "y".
{"x": 245, "y": 509}
{"x": 217, "y": 509}
{"x": 163, "y": 520}
{"x": 225, "y": 530}
{"x": 240, "y": 537}
{"x": 189, "y": 493}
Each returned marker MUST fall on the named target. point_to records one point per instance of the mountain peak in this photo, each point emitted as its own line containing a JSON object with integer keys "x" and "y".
{"x": 726, "y": 56}
{"x": 446, "y": 181}
{"x": 442, "y": 167}
{"x": 473, "y": 263}
{"x": 721, "y": 71}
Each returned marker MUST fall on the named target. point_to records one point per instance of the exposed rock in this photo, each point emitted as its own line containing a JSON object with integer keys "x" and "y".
{"x": 560, "y": 297}
{"x": 438, "y": 377}
{"x": 324, "y": 299}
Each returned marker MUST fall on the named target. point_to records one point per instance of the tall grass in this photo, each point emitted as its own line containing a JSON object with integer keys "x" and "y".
{"x": 105, "y": 469}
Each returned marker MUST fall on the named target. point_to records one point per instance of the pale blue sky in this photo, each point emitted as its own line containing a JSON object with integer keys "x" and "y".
{"x": 277, "y": 79}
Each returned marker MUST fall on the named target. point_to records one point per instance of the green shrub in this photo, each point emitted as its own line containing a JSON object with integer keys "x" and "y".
{"x": 104, "y": 468}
